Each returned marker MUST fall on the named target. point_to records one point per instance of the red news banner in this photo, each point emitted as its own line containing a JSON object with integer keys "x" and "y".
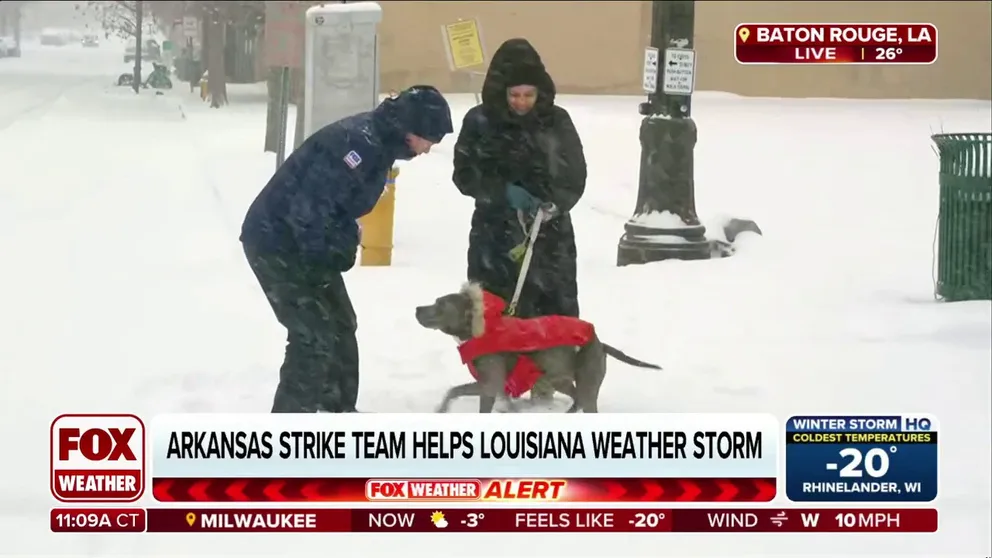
{"x": 439, "y": 491}
{"x": 836, "y": 43}
{"x": 486, "y": 520}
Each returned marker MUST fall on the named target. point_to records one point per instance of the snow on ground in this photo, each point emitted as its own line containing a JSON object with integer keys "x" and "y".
{"x": 124, "y": 289}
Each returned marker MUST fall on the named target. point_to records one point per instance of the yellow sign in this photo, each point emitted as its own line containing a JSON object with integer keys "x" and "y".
{"x": 464, "y": 44}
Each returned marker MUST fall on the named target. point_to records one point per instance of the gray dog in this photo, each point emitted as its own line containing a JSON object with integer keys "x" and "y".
{"x": 575, "y": 370}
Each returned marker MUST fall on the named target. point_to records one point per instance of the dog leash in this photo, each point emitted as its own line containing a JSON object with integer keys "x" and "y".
{"x": 525, "y": 264}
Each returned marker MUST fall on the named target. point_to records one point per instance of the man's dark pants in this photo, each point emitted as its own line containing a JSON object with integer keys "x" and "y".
{"x": 320, "y": 370}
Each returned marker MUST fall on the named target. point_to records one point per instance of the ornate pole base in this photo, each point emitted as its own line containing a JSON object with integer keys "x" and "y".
{"x": 640, "y": 244}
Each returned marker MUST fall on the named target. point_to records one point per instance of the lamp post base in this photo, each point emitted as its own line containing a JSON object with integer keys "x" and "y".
{"x": 640, "y": 245}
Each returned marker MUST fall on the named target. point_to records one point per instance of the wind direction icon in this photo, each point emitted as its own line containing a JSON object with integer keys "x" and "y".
{"x": 780, "y": 518}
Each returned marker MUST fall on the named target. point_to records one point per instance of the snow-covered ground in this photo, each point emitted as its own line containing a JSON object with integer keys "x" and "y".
{"x": 123, "y": 289}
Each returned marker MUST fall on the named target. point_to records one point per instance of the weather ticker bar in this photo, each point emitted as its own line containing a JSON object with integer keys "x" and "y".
{"x": 494, "y": 520}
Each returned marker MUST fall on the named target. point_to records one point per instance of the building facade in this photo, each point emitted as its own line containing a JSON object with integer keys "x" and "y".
{"x": 597, "y": 47}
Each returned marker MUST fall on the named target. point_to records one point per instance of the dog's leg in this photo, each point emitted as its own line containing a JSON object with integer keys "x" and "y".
{"x": 486, "y": 403}
{"x": 457, "y": 392}
{"x": 492, "y": 371}
{"x": 558, "y": 365}
{"x": 568, "y": 388}
{"x": 590, "y": 370}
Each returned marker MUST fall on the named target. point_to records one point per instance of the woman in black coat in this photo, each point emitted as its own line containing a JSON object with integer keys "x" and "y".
{"x": 516, "y": 152}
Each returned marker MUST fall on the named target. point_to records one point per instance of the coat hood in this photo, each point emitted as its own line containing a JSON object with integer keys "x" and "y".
{"x": 516, "y": 62}
{"x": 420, "y": 110}
{"x": 485, "y": 307}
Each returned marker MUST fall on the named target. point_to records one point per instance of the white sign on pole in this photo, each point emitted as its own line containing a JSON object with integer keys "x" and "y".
{"x": 190, "y": 27}
{"x": 650, "y": 73}
{"x": 679, "y": 72}
{"x": 342, "y": 62}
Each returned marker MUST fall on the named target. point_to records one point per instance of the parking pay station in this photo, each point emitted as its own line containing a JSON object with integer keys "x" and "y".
{"x": 342, "y": 62}
{"x": 342, "y": 79}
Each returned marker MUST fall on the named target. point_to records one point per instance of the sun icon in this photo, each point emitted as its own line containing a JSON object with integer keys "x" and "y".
{"x": 437, "y": 518}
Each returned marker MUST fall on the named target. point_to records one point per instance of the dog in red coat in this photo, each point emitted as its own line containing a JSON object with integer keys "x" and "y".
{"x": 506, "y": 355}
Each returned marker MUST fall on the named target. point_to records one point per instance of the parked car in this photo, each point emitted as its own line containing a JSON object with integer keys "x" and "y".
{"x": 7, "y": 47}
{"x": 151, "y": 51}
{"x": 90, "y": 41}
{"x": 54, "y": 37}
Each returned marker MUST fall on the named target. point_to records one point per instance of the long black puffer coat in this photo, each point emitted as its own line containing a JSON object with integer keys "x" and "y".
{"x": 540, "y": 151}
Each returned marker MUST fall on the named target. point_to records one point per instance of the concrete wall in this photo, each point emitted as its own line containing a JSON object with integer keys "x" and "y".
{"x": 597, "y": 47}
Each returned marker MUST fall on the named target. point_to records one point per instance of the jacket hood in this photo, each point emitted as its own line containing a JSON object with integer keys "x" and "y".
{"x": 516, "y": 62}
{"x": 485, "y": 306}
{"x": 420, "y": 110}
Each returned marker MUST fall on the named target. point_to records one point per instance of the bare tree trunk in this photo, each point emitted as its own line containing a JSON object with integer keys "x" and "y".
{"x": 272, "y": 122}
{"x": 216, "y": 74}
{"x": 138, "y": 39}
{"x": 18, "y": 14}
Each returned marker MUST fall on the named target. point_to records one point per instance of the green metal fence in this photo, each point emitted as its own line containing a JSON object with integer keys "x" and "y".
{"x": 964, "y": 259}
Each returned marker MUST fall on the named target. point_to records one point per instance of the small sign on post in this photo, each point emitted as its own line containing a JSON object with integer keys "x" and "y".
{"x": 191, "y": 27}
{"x": 680, "y": 71}
{"x": 283, "y": 34}
{"x": 650, "y": 73}
{"x": 342, "y": 63}
{"x": 463, "y": 42}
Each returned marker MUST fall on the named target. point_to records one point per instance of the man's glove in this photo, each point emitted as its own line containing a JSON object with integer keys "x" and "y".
{"x": 522, "y": 200}
{"x": 345, "y": 259}
{"x": 338, "y": 261}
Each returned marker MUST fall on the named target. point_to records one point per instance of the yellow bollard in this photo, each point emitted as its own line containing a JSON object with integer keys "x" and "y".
{"x": 377, "y": 226}
{"x": 204, "y": 90}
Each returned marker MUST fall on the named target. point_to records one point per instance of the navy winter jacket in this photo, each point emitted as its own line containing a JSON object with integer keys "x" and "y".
{"x": 307, "y": 214}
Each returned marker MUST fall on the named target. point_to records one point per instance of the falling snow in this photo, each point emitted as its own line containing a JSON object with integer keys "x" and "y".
{"x": 124, "y": 289}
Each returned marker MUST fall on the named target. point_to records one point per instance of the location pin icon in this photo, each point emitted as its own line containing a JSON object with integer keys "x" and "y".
{"x": 744, "y": 33}
{"x": 191, "y": 518}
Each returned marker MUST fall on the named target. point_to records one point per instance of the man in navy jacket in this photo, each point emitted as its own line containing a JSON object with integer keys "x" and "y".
{"x": 301, "y": 233}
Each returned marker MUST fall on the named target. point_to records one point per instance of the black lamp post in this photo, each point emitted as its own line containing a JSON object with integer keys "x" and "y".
{"x": 668, "y": 138}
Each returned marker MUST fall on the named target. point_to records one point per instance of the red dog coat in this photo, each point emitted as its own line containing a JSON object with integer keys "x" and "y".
{"x": 495, "y": 333}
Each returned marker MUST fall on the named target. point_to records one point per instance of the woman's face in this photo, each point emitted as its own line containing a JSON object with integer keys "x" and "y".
{"x": 521, "y": 98}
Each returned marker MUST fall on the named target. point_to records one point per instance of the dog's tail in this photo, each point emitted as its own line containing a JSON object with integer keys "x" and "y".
{"x": 627, "y": 359}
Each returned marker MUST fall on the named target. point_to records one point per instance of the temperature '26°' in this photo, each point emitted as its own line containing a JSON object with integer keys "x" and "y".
{"x": 861, "y": 458}
{"x": 883, "y": 54}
